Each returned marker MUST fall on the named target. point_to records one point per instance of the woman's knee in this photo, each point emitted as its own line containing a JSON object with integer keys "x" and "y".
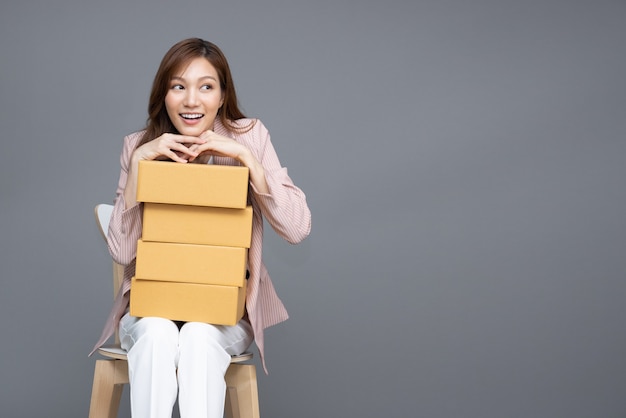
{"x": 200, "y": 332}
{"x": 155, "y": 331}
{"x": 201, "y": 346}
{"x": 230, "y": 339}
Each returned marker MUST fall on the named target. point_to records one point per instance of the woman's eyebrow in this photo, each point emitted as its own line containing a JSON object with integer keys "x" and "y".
{"x": 201, "y": 78}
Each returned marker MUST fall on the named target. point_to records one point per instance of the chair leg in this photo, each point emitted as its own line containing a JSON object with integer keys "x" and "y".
{"x": 108, "y": 380}
{"x": 242, "y": 396}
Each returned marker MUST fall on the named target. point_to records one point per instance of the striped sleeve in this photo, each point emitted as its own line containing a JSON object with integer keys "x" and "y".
{"x": 285, "y": 206}
{"x": 125, "y": 224}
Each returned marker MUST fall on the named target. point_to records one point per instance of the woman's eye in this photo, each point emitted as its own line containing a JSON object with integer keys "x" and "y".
{"x": 176, "y": 87}
{"x": 206, "y": 87}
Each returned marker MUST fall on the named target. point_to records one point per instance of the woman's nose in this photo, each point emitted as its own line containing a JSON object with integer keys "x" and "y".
{"x": 191, "y": 98}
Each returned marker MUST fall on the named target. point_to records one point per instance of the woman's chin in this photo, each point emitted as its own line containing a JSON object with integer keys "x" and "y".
{"x": 190, "y": 131}
{"x": 195, "y": 130}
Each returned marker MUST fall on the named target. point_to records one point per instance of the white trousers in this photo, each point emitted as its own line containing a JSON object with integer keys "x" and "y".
{"x": 166, "y": 358}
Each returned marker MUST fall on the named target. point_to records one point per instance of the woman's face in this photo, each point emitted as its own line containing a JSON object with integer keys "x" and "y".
{"x": 194, "y": 97}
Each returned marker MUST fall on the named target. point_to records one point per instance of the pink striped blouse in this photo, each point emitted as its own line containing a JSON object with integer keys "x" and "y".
{"x": 284, "y": 207}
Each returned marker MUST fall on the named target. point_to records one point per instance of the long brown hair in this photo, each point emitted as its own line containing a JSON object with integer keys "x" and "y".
{"x": 180, "y": 54}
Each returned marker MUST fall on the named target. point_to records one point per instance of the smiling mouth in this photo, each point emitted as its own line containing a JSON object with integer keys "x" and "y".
{"x": 191, "y": 116}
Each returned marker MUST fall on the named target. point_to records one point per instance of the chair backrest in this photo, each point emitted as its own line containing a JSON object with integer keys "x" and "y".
{"x": 103, "y": 217}
{"x": 103, "y": 213}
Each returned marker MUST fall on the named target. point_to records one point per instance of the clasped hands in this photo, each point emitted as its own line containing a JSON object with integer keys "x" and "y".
{"x": 192, "y": 149}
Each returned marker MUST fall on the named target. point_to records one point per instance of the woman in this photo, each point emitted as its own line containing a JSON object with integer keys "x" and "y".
{"x": 194, "y": 118}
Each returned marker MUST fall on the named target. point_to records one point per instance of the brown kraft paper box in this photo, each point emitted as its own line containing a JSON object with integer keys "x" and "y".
{"x": 212, "y": 185}
{"x": 191, "y": 263}
{"x": 197, "y": 225}
{"x": 190, "y": 302}
{"x": 192, "y": 257}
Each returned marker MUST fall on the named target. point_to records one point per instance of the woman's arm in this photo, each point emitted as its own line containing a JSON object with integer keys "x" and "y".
{"x": 125, "y": 224}
{"x": 126, "y": 219}
{"x": 281, "y": 202}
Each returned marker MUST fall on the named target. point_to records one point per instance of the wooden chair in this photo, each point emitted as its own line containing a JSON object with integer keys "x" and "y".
{"x": 111, "y": 373}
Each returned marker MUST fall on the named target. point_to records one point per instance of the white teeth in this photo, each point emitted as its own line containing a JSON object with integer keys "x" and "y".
{"x": 191, "y": 115}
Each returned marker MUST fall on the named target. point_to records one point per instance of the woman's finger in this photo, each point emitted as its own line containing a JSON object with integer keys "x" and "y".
{"x": 185, "y": 139}
{"x": 177, "y": 147}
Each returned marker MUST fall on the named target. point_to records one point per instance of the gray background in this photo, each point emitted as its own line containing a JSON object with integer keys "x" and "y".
{"x": 463, "y": 161}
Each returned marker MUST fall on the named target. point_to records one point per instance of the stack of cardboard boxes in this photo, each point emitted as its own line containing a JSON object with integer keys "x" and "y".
{"x": 192, "y": 257}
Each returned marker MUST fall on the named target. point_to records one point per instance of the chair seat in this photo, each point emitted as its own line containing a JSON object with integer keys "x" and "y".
{"x": 112, "y": 351}
{"x": 118, "y": 353}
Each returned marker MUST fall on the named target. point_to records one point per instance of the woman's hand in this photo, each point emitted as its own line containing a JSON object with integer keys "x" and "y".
{"x": 218, "y": 145}
{"x": 172, "y": 146}
{"x": 222, "y": 146}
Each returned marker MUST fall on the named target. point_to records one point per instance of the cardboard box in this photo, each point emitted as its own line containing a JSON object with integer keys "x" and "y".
{"x": 192, "y": 184}
{"x": 190, "y": 302}
{"x": 191, "y": 263}
{"x": 197, "y": 225}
